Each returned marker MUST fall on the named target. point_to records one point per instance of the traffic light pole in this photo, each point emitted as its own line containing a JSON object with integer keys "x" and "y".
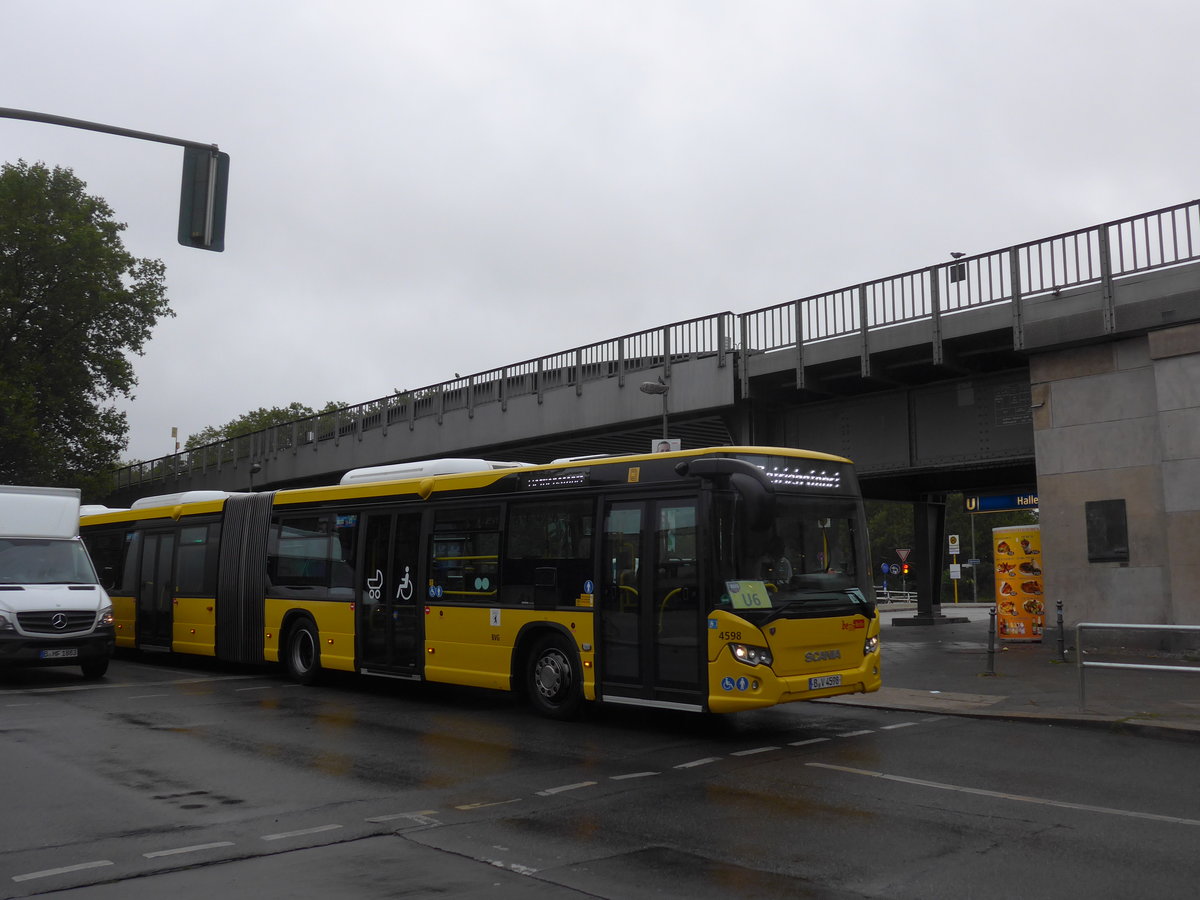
{"x": 205, "y": 177}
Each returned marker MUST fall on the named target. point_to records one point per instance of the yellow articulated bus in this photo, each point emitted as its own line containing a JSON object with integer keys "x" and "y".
{"x": 719, "y": 580}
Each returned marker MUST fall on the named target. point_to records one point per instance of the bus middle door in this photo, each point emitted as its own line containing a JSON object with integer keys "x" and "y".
{"x": 156, "y": 591}
{"x": 388, "y": 624}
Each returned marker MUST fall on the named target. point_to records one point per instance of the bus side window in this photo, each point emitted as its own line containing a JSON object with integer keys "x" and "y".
{"x": 312, "y": 555}
{"x": 465, "y": 551}
{"x": 548, "y": 552}
{"x": 107, "y": 549}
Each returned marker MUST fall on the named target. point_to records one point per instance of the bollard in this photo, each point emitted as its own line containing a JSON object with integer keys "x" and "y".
{"x": 1062, "y": 646}
{"x": 991, "y": 642}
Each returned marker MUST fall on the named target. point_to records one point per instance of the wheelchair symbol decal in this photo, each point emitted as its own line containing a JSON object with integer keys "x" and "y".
{"x": 405, "y": 590}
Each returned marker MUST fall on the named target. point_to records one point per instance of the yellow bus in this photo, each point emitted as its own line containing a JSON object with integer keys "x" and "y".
{"x": 718, "y": 579}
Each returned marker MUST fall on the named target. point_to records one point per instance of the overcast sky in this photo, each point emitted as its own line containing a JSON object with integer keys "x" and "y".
{"x": 419, "y": 188}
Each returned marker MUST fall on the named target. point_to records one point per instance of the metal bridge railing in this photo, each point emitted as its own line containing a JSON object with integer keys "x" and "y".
{"x": 1164, "y": 237}
{"x": 652, "y": 349}
{"x": 1157, "y": 239}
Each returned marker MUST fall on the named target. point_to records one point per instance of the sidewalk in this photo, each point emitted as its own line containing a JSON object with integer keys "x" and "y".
{"x": 944, "y": 669}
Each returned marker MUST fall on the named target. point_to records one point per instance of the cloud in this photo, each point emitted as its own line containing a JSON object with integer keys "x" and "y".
{"x": 419, "y": 188}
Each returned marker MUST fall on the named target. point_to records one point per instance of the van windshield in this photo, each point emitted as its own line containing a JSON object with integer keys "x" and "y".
{"x": 39, "y": 561}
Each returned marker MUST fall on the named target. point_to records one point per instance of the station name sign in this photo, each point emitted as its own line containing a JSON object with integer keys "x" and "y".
{"x": 985, "y": 503}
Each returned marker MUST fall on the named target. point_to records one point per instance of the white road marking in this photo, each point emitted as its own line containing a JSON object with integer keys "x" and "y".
{"x": 809, "y": 741}
{"x": 633, "y": 775}
{"x": 857, "y": 733}
{"x": 300, "y": 833}
{"x": 897, "y": 725}
{"x": 482, "y": 805}
{"x": 512, "y": 867}
{"x": 698, "y": 762}
{"x": 194, "y": 849}
{"x": 263, "y": 687}
{"x": 421, "y": 818}
{"x": 46, "y": 873}
{"x": 1001, "y": 795}
{"x": 754, "y": 751}
{"x": 565, "y": 787}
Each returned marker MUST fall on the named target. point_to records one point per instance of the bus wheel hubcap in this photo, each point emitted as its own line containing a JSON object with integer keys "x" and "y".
{"x": 552, "y": 674}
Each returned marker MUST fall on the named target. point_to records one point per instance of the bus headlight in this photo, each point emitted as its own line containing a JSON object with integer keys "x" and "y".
{"x": 751, "y": 656}
{"x": 871, "y": 645}
{"x": 105, "y": 618}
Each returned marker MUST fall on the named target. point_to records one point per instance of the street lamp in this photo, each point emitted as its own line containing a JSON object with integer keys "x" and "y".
{"x": 658, "y": 387}
{"x": 254, "y": 470}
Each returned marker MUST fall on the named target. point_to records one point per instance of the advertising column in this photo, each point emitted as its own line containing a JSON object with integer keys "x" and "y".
{"x": 1020, "y": 606}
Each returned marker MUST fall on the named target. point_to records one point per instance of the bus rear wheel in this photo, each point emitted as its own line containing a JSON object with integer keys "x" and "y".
{"x": 302, "y": 654}
{"x": 553, "y": 678}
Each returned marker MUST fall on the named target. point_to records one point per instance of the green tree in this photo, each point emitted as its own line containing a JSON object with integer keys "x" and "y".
{"x": 74, "y": 304}
{"x": 257, "y": 420}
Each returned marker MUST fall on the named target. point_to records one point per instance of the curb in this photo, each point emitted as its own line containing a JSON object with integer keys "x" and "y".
{"x": 1169, "y": 728}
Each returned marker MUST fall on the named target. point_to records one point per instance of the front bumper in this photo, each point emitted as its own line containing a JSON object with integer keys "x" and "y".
{"x": 23, "y": 650}
{"x": 755, "y": 687}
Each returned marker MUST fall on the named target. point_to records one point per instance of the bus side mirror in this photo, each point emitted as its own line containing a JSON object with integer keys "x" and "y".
{"x": 758, "y": 501}
{"x": 748, "y": 480}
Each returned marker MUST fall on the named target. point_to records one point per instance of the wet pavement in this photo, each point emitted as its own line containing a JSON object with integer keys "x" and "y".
{"x": 947, "y": 668}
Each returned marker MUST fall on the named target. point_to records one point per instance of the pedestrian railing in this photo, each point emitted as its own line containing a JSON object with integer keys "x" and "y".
{"x": 1083, "y": 664}
{"x": 886, "y": 596}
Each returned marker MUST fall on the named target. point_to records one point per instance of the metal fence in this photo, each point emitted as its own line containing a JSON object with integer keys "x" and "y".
{"x": 1164, "y": 237}
{"x": 1083, "y": 664}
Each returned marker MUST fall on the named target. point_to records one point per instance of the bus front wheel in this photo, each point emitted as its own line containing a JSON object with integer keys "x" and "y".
{"x": 554, "y": 681}
{"x": 302, "y": 656}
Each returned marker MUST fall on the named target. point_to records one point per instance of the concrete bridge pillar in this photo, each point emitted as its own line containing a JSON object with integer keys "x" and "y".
{"x": 929, "y": 550}
{"x": 1117, "y": 436}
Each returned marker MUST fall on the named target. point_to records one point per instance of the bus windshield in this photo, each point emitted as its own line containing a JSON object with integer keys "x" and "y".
{"x": 803, "y": 561}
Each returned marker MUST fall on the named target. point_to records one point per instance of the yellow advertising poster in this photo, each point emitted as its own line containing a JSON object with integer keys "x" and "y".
{"x": 1020, "y": 604}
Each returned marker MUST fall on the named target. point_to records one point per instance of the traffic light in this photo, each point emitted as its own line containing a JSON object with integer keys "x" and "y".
{"x": 903, "y": 568}
{"x": 202, "y": 198}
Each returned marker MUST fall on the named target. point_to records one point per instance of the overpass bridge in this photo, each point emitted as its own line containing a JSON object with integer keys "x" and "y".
{"x": 933, "y": 380}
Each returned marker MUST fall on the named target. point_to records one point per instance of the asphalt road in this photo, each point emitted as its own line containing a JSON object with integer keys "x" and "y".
{"x": 170, "y": 779}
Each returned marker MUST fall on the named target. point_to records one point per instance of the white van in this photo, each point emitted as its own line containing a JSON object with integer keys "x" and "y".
{"x": 53, "y": 611}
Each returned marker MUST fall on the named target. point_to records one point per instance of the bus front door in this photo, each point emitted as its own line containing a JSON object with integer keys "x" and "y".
{"x": 156, "y": 591}
{"x": 388, "y": 624}
{"x": 651, "y": 626}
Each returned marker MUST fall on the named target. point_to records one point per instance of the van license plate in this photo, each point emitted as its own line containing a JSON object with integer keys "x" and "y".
{"x": 824, "y": 681}
{"x": 63, "y": 653}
